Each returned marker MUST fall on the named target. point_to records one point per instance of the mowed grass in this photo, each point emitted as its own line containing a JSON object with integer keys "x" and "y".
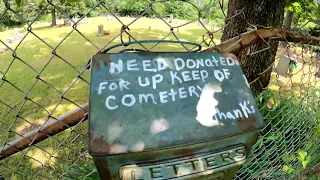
{"x": 303, "y": 76}
{"x": 60, "y": 70}
{"x": 34, "y": 58}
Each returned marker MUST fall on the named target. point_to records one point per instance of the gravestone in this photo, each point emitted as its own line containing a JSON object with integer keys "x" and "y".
{"x": 16, "y": 31}
{"x": 283, "y": 66}
{"x": 108, "y": 17}
{"x": 100, "y": 30}
{"x": 170, "y": 115}
{"x": 171, "y": 18}
{"x": 212, "y": 27}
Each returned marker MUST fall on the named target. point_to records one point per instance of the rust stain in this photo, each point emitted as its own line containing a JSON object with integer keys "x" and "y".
{"x": 101, "y": 57}
{"x": 99, "y": 145}
{"x": 252, "y": 140}
{"x": 187, "y": 151}
{"x": 107, "y": 60}
{"x": 95, "y": 61}
{"x": 247, "y": 124}
{"x": 234, "y": 57}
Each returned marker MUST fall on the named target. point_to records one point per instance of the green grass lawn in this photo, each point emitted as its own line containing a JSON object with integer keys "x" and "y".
{"x": 48, "y": 158}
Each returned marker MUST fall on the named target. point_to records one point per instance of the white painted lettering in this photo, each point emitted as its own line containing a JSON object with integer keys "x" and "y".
{"x": 191, "y": 63}
{"x": 230, "y": 61}
{"x": 156, "y": 79}
{"x": 222, "y": 61}
{"x": 130, "y": 98}
{"x": 192, "y": 90}
{"x": 123, "y": 84}
{"x": 200, "y": 89}
{"x": 226, "y": 73}
{"x": 195, "y": 75}
{"x": 113, "y": 86}
{"x": 145, "y": 98}
{"x": 174, "y": 77}
{"x": 102, "y": 86}
{"x": 178, "y": 61}
{"x": 186, "y": 76}
{"x": 218, "y": 75}
{"x": 245, "y": 109}
{"x": 162, "y": 64}
{"x": 230, "y": 116}
{"x": 208, "y": 63}
{"x": 173, "y": 94}
{"x": 146, "y": 64}
{"x": 182, "y": 93}
{"x": 145, "y": 82}
{"x": 114, "y": 66}
{"x": 237, "y": 113}
{"x": 200, "y": 63}
{"x": 163, "y": 96}
{"x": 214, "y": 60}
{"x": 221, "y": 114}
{"x": 204, "y": 75}
{"x": 253, "y": 110}
{"x": 108, "y": 104}
{"x": 132, "y": 65}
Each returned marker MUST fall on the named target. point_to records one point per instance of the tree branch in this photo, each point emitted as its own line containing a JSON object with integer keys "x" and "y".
{"x": 247, "y": 39}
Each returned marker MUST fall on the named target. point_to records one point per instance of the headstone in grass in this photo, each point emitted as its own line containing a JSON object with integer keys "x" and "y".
{"x": 212, "y": 27}
{"x": 283, "y": 66}
{"x": 108, "y": 17}
{"x": 100, "y": 30}
{"x": 171, "y": 18}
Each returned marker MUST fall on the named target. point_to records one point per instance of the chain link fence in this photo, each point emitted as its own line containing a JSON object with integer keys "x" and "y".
{"x": 45, "y": 74}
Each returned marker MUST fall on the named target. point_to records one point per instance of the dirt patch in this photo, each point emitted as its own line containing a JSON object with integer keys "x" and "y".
{"x": 3, "y": 50}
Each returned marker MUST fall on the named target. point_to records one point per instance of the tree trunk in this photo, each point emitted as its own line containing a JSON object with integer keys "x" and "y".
{"x": 287, "y": 26}
{"x": 54, "y": 18}
{"x": 267, "y": 13}
{"x": 288, "y": 21}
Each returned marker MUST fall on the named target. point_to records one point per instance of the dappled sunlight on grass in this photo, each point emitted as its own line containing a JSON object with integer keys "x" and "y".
{"x": 41, "y": 157}
{"x": 61, "y": 108}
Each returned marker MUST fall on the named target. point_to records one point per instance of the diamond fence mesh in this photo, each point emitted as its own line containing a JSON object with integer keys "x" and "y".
{"x": 45, "y": 74}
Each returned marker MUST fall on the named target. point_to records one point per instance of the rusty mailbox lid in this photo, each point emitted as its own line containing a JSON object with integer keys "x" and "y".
{"x": 144, "y": 102}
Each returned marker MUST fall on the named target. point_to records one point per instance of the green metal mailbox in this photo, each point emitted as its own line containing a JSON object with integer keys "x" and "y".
{"x": 170, "y": 116}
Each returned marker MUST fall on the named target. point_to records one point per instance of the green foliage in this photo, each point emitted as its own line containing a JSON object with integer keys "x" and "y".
{"x": 305, "y": 11}
{"x": 209, "y": 9}
{"x": 84, "y": 170}
{"x": 10, "y": 19}
{"x": 304, "y": 158}
{"x": 287, "y": 119}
